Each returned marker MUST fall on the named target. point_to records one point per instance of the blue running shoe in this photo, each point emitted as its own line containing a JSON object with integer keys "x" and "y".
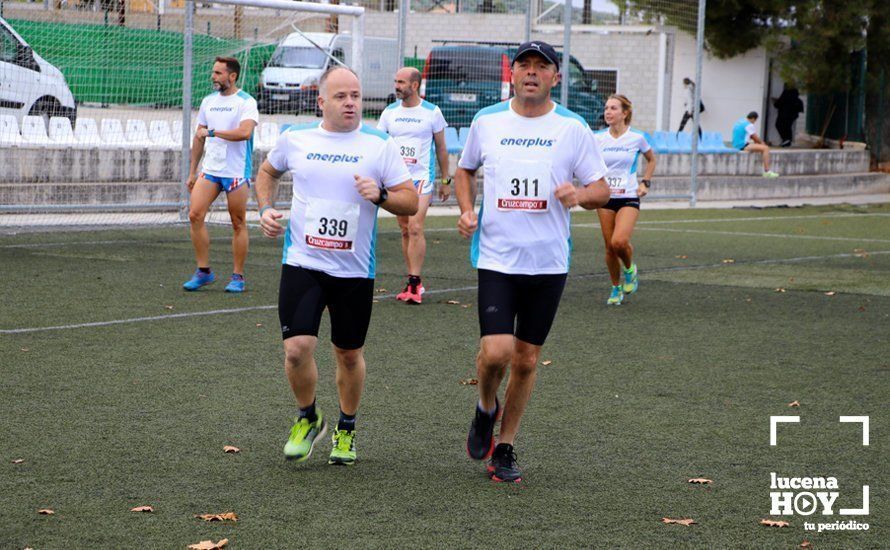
{"x": 616, "y": 297}
{"x": 236, "y": 284}
{"x": 198, "y": 280}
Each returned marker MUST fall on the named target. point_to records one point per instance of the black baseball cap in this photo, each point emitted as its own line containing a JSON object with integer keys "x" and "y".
{"x": 540, "y": 48}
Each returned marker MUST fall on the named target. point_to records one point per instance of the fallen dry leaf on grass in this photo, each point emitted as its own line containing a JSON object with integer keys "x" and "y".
{"x": 208, "y": 545}
{"x": 258, "y": 325}
{"x": 18, "y": 461}
{"x": 686, "y": 522}
{"x": 701, "y": 480}
{"x": 26, "y": 350}
{"x": 547, "y": 362}
{"x": 780, "y": 290}
{"x": 381, "y": 290}
{"x": 806, "y": 544}
{"x": 453, "y": 302}
{"x": 830, "y": 293}
{"x": 142, "y": 509}
{"x": 860, "y": 252}
{"x": 682, "y": 257}
{"x": 772, "y": 523}
{"x": 170, "y": 307}
{"x": 465, "y": 306}
{"x": 227, "y": 516}
{"x": 468, "y": 382}
{"x": 231, "y": 449}
{"x": 728, "y": 261}
{"x": 794, "y": 404}
{"x": 46, "y": 511}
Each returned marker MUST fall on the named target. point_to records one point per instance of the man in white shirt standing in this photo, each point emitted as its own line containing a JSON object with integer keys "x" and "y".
{"x": 224, "y": 138}
{"x": 530, "y": 150}
{"x": 342, "y": 171}
{"x": 416, "y": 124}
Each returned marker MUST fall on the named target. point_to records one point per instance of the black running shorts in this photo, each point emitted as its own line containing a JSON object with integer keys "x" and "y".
{"x": 304, "y": 293}
{"x": 617, "y": 204}
{"x": 521, "y": 305}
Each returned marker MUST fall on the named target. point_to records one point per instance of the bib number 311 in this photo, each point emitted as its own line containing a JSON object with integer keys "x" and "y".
{"x": 523, "y": 185}
{"x": 331, "y": 225}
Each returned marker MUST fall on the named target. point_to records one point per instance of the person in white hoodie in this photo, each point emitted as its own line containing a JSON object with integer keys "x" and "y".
{"x": 688, "y": 105}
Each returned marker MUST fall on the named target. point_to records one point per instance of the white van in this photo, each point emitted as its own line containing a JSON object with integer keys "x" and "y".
{"x": 28, "y": 84}
{"x": 289, "y": 83}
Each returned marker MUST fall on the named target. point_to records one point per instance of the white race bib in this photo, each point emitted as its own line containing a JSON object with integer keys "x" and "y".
{"x": 617, "y": 183}
{"x": 331, "y": 225}
{"x": 523, "y": 185}
{"x": 409, "y": 148}
{"x": 215, "y": 155}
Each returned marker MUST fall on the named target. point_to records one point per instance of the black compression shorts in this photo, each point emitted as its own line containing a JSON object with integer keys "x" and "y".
{"x": 303, "y": 295}
{"x": 521, "y": 305}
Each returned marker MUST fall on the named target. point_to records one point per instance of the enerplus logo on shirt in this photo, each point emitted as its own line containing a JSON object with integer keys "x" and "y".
{"x": 333, "y": 158}
{"x": 408, "y": 119}
{"x": 528, "y": 142}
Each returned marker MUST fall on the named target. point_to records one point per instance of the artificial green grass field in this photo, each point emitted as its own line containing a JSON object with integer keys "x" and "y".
{"x": 677, "y": 383}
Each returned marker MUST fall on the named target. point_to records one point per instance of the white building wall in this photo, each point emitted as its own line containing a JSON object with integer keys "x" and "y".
{"x": 730, "y": 89}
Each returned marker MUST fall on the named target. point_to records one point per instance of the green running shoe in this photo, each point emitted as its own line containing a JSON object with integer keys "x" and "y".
{"x": 631, "y": 281}
{"x": 616, "y": 297}
{"x": 343, "y": 452}
{"x": 303, "y": 436}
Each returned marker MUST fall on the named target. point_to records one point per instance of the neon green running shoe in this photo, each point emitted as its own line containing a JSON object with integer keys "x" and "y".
{"x": 616, "y": 297}
{"x": 631, "y": 281}
{"x": 343, "y": 452}
{"x": 303, "y": 436}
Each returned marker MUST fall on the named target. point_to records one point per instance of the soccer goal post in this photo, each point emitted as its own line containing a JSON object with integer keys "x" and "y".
{"x": 104, "y": 97}
{"x": 357, "y": 13}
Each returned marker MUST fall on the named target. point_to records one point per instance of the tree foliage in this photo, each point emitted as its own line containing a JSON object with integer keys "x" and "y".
{"x": 811, "y": 39}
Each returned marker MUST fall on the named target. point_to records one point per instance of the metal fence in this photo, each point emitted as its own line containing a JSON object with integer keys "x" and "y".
{"x": 107, "y": 140}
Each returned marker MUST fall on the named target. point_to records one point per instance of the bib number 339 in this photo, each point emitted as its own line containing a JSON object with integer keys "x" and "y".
{"x": 523, "y": 185}
{"x": 331, "y": 225}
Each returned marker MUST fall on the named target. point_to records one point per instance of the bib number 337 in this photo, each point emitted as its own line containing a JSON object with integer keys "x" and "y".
{"x": 523, "y": 185}
{"x": 331, "y": 225}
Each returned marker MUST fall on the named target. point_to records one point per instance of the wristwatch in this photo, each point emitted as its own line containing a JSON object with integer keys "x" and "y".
{"x": 384, "y": 194}
{"x": 211, "y": 133}
{"x": 647, "y": 182}
{"x": 446, "y": 181}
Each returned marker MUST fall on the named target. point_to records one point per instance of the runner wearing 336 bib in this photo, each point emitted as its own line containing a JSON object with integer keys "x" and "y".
{"x": 416, "y": 125}
{"x": 621, "y": 147}
{"x": 530, "y": 150}
{"x": 342, "y": 171}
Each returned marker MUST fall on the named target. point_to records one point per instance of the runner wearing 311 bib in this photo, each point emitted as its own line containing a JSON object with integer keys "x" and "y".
{"x": 530, "y": 150}
{"x": 342, "y": 171}
{"x": 621, "y": 147}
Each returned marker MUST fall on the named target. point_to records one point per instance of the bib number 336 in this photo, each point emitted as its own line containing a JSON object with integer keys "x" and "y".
{"x": 523, "y": 185}
{"x": 331, "y": 225}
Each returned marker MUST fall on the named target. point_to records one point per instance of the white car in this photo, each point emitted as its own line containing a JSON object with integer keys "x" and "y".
{"x": 29, "y": 85}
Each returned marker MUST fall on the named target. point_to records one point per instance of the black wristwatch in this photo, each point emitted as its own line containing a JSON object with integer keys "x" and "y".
{"x": 647, "y": 182}
{"x": 211, "y": 133}
{"x": 384, "y": 194}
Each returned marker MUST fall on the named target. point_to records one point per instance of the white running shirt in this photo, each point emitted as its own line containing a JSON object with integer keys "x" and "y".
{"x": 622, "y": 156}
{"x": 413, "y": 129}
{"x": 332, "y": 228}
{"x": 523, "y": 229}
{"x": 223, "y": 158}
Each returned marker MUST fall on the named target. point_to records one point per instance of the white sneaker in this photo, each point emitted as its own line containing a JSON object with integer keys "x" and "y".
{"x": 770, "y": 174}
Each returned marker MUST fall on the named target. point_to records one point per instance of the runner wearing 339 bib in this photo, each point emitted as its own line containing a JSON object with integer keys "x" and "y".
{"x": 621, "y": 147}
{"x": 416, "y": 125}
{"x": 342, "y": 172}
{"x": 530, "y": 150}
